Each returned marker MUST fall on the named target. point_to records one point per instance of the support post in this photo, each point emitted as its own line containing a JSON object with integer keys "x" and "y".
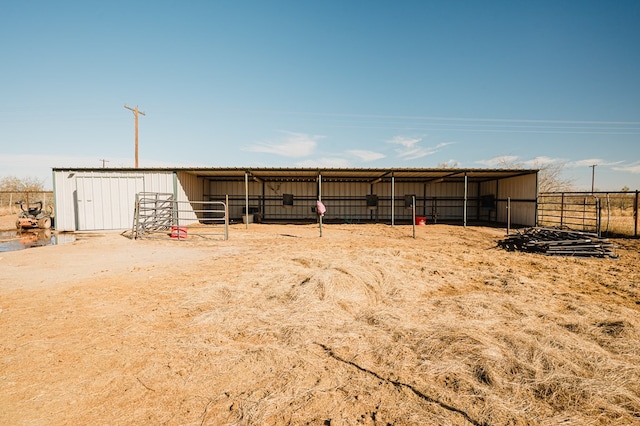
{"x": 226, "y": 217}
{"x": 393, "y": 199}
{"x": 246, "y": 199}
{"x": 508, "y": 215}
{"x": 320, "y": 199}
{"x": 465, "y": 200}
{"x": 635, "y": 216}
{"x": 413, "y": 214}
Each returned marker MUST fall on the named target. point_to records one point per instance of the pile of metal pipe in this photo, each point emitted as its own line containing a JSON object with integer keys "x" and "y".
{"x": 559, "y": 242}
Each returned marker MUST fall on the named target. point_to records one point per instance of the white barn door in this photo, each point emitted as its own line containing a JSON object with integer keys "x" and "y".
{"x": 106, "y": 202}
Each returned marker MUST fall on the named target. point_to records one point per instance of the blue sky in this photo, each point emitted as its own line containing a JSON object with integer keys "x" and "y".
{"x": 323, "y": 84}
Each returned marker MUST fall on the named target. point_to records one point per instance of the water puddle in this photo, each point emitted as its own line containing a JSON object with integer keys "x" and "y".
{"x": 20, "y": 240}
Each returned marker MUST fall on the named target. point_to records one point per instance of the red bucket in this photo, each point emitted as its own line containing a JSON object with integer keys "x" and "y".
{"x": 179, "y": 232}
{"x": 421, "y": 220}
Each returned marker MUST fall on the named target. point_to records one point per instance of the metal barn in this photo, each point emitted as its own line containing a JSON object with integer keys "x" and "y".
{"x": 104, "y": 198}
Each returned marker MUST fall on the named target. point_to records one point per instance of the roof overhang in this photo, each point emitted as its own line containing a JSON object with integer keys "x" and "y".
{"x": 369, "y": 175}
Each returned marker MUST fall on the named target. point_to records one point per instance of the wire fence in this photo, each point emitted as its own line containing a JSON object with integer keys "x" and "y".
{"x": 10, "y": 200}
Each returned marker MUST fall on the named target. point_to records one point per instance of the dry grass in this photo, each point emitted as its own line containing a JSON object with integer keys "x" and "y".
{"x": 363, "y": 326}
{"x": 622, "y": 223}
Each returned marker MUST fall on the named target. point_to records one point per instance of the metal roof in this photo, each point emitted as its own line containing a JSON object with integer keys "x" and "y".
{"x": 329, "y": 174}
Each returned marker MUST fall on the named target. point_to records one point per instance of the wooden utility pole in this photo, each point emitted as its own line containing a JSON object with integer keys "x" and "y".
{"x": 136, "y": 111}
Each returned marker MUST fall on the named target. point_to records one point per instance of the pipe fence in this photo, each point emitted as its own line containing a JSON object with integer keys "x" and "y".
{"x": 159, "y": 214}
{"x": 612, "y": 213}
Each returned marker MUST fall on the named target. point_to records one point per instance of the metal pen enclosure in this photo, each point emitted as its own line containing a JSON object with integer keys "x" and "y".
{"x": 102, "y": 199}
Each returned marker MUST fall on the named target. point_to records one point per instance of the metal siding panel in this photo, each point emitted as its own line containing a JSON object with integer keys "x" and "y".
{"x": 518, "y": 188}
{"x": 345, "y": 200}
{"x": 127, "y": 205}
{"x": 159, "y": 182}
{"x": 84, "y": 203}
{"x": 65, "y": 214}
{"x": 186, "y": 186}
{"x": 106, "y": 200}
{"x": 192, "y": 186}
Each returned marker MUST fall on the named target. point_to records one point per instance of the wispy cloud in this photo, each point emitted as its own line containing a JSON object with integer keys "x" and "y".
{"x": 500, "y": 160}
{"x": 516, "y": 161}
{"x": 587, "y": 162}
{"x": 615, "y": 165}
{"x": 410, "y": 149}
{"x": 293, "y": 145}
{"x": 405, "y": 142}
{"x": 542, "y": 161}
{"x": 364, "y": 155}
{"x": 334, "y": 162}
{"x": 629, "y": 168}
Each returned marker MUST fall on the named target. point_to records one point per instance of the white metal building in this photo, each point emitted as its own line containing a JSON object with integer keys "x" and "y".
{"x": 104, "y": 198}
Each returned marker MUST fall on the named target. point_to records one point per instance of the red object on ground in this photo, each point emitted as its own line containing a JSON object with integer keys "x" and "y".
{"x": 179, "y": 232}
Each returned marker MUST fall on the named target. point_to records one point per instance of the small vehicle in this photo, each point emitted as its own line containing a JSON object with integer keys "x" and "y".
{"x": 32, "y": 216}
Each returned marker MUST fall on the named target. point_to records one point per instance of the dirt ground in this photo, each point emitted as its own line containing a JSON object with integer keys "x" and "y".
{"x": 365, "y": 325}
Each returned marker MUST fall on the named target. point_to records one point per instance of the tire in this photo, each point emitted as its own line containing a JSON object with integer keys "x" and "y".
{"x": 44, "y": 223}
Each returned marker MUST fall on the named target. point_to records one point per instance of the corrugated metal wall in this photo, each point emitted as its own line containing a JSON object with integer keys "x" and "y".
{"x": 106, "y": 202}
{"x": 189, "y": 193}
{"x": 346, "y": 200}
{"x": 189, "y": 187}
{"x": 521, "y": 190}
{"x": 64, "y": 187}
{"x": 97, "y": 200}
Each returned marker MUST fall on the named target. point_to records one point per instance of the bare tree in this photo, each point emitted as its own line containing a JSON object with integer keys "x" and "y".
{"x": 447, "y": 165}
{"x": 14, "y": 189}
{"x": 550, "y": 175}
{"x": 14, "y": 184}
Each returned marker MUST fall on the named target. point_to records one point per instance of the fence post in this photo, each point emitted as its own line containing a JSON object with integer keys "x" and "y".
{"x": 635, "y": 216}
{"x": 598, "y": 217}
{"x": 226, "y": 217}
{"x": 508, "y": 215}
{"x": 562, "y": 211}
